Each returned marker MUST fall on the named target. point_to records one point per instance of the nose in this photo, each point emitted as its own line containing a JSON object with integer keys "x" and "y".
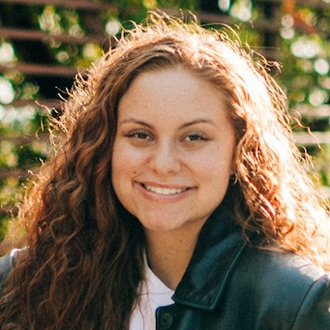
{"x": 165, "y": 159}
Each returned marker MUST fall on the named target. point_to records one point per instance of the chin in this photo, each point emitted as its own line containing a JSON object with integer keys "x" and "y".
{"x": 157, "y": 223}
{"x": 159, "y": 226}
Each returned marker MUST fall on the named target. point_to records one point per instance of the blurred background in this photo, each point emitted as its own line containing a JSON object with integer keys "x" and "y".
{"x": 44, "y": 43}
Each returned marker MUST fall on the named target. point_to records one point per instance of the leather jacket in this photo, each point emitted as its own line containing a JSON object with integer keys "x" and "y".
{"x": 230, "y": 285}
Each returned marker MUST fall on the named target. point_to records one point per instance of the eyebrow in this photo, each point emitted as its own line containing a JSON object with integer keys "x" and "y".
{"x": 198, "y": 121}
{"x": 187, "y": 124}
{"x": 135, "y": 121}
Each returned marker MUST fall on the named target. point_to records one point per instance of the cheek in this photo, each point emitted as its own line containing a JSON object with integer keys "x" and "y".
{"x": 118, "y": 166}
{"x": 126, "y": 161}
{"x": 120, "y": 175}
{"x": 216, "y": 162}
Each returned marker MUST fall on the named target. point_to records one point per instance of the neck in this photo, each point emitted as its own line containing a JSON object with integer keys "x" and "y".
{"x": 169, "y": 254}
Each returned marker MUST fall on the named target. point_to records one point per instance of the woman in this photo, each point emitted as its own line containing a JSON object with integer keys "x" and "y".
{"x": 177, "y": 186}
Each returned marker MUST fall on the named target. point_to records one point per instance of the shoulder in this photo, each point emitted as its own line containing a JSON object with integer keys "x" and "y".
{"x": 282, "y": 267}
{"x": 7, "y": 263}
{"x": 290, "y": 291}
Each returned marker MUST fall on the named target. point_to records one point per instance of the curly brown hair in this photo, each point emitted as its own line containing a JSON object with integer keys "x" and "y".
{"x": 86, "y": 253}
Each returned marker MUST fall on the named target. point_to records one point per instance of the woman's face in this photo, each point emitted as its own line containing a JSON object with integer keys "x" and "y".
{"x": 173, "y": 151}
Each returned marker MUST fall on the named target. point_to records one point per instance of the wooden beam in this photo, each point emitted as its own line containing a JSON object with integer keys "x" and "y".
{"x": 10, "y": 210}
{"x": 220, "y": 19}
{"x": 308, "y": 3}
{"x": 313, "y": 138}
{"x": 57, "y": 104}
{"x": 23, "y": 140}
{"x": 73, "y": 4}
{"x": 307, "y": 111}
{"x": 41, "y": 70}
{"x": 16, "y": 173}
{"x": 21, "y": 34}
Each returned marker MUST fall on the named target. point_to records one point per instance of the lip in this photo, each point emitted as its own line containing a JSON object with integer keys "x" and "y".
{"x": 163, "y": 192}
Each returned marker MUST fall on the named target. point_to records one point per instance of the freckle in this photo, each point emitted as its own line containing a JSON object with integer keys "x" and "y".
{"x": 134, "y": 172}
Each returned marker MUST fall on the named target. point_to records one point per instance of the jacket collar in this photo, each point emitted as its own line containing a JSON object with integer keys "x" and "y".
{"x": 218, "y": 249}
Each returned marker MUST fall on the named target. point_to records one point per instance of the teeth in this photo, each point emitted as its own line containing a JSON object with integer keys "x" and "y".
{"x": 164, "y": 191}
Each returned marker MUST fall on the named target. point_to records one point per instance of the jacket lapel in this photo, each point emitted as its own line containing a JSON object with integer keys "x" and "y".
{"x": 218, "y": 250}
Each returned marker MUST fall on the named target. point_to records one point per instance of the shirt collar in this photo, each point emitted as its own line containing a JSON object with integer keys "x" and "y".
{"x": 218, "y": 249}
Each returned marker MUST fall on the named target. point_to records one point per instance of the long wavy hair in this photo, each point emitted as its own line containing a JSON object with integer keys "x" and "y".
{"x": 85, "y": 256}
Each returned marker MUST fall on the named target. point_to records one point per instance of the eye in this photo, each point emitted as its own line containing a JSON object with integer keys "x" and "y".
{"x": 196, "y": 137}
{"x": 140, "y": 135}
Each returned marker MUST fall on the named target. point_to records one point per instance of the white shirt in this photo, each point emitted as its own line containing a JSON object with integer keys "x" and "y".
{"x": 153, "y": 294}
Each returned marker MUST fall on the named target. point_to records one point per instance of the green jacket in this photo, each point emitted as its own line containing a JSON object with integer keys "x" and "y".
{"x": 229, "y": 285}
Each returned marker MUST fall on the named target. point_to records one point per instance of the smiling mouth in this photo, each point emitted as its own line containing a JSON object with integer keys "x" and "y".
{"x": 164, "y": 191}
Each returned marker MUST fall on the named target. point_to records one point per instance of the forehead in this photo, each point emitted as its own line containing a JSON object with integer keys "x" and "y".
{"x": 171, "y": 94}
